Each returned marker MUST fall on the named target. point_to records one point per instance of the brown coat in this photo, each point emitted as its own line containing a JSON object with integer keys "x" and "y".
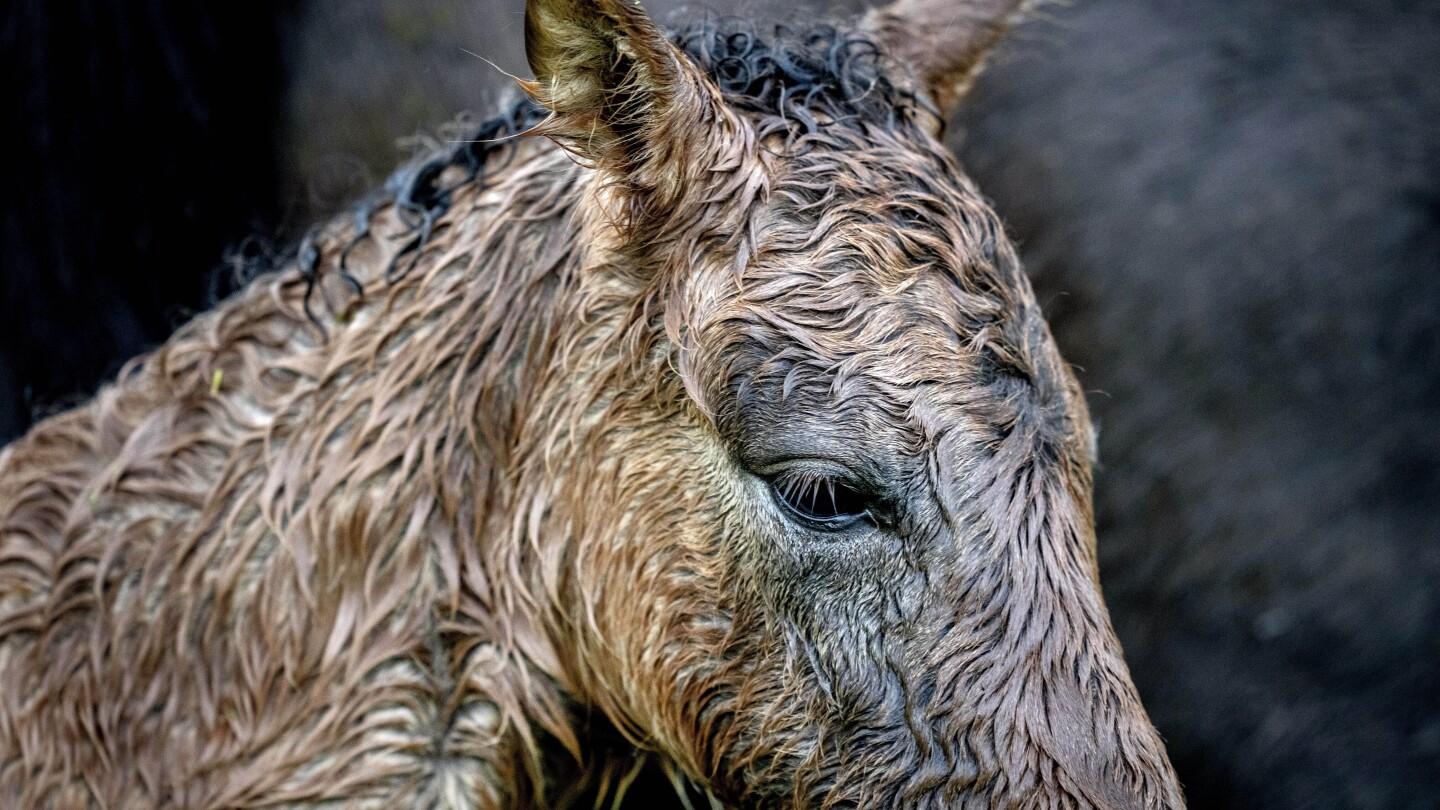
{"x": 731, "y": 426}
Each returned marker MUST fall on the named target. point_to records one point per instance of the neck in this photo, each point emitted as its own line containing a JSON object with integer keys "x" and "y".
{"x": 432, "y": 396}
{"x": 326, "y": 526}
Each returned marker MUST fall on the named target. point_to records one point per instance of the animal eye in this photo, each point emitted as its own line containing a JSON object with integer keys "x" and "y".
{"x": 823, "y": 501}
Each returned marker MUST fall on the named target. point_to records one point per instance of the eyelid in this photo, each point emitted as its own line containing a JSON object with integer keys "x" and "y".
{"x": 799, "y": 465}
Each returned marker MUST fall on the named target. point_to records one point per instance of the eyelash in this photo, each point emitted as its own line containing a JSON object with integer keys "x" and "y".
{"x": 821, "y": 501}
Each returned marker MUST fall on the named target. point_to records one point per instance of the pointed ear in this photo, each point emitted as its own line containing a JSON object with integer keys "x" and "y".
{"x": 624, "y": 98}
{"x": 944, "y": 41}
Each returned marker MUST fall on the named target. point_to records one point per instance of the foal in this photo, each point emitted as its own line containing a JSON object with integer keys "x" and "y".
{"x": 719, "y": 426}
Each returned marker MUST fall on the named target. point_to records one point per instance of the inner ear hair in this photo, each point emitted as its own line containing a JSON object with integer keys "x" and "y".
{"x": 605, "y": 71}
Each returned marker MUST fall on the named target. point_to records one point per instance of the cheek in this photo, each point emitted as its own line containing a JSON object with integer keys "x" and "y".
{"x": 645, "y": 607}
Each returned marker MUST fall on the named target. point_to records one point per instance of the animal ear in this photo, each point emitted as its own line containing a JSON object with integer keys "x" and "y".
{"x": 623, "y": 97}
{"x": 944, "y": 41}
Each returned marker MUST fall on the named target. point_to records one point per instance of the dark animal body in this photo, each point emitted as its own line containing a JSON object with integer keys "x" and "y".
{"x": 725, "y": 434}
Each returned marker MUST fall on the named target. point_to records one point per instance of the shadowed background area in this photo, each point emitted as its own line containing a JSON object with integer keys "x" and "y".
{"x": 139, "y": 142}
{"x": 1231, "y": 210}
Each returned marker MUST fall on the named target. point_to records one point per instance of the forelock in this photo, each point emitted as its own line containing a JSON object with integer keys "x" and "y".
{"x": 803, "y": 80}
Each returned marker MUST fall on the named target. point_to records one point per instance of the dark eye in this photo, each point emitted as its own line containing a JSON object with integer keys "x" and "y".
{"x": 823, "y": 501}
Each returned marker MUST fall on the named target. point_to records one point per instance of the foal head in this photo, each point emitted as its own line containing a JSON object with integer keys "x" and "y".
{"x": 827, "y": 499}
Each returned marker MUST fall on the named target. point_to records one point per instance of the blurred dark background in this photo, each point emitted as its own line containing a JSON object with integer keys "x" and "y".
{"x": 139, "y": 141}
{"x": 1230, "y": 208}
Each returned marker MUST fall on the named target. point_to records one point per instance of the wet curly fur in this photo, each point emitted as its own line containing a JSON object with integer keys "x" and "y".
{"x": 469, "y": 504}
